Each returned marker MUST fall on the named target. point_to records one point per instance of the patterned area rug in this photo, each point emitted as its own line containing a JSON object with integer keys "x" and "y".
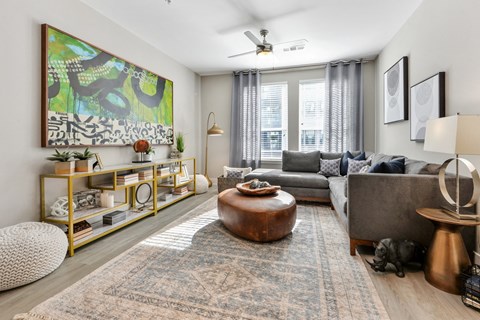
{"x": 196, "y": 269}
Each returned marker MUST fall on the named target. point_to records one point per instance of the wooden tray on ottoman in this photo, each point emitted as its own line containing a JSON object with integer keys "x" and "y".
{"x": 245, "y": 189}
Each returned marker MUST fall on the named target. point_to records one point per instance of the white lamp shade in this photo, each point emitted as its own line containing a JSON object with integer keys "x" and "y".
{"x": 459, "y": 134}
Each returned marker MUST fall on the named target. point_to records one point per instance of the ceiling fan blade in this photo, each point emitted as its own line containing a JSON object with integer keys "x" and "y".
{"x": 298, "y": 41}
{"x": 242, "y": 54}
{"x": 252, "y": 38}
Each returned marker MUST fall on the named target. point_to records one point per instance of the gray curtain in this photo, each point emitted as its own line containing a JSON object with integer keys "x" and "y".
{"x": 343, "y": 107}
{"x": 245, "y": 120}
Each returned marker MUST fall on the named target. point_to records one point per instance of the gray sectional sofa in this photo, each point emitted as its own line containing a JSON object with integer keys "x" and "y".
{"x": 371, "y": 206}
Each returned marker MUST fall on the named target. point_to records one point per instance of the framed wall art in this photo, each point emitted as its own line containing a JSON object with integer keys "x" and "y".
{"x": 427, "y": 101}
{"x": 93, "y": 98}
{"x": 395, "y": 92}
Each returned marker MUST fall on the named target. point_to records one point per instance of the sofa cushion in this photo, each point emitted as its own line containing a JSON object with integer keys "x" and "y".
{"x": 338, "y": 185}
{"x": 380, "y": 157}
{"x": 330, "y": 168}
{"x": 354, "y": 166}
{"x": 289, "y": 179}
{"x": 348, "y": 155}
{"x": 421, "y": 167}
{"x": 331, "y": 155}
{"x": 394, "y": 166}
{"x": 301, "y": 161}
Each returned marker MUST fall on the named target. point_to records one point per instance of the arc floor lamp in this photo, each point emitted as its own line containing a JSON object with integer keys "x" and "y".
{"x": 215, "y": 130}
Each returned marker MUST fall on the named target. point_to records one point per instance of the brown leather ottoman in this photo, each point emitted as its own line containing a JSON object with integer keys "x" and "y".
{"x": 259, "y": 218}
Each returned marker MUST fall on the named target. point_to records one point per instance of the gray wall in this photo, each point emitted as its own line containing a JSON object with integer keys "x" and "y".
{"x": 23, "y": 160}
{"x": 216, "y": 96}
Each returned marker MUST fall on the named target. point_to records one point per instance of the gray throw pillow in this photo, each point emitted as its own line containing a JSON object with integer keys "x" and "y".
{"x": 354, "y": 166}
{"x": 364, "y": 169}
{"x": 330, "y": 168}
{"x": 300, "y": 161}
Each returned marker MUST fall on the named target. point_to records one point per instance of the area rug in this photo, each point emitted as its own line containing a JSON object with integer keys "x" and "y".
{"x": 196, "y": 269}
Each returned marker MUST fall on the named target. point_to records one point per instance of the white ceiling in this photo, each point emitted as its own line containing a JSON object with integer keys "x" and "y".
{"x": 201, "y": 34}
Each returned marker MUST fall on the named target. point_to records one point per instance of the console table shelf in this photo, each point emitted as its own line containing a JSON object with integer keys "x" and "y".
{"x": 106, "y": 180}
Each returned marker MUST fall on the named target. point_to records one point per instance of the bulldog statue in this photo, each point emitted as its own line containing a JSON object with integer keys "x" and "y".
{"x": 398, "y": 253}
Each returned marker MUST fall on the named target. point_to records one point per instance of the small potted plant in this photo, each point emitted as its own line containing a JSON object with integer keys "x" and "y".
{"x": 180, "y": 143}
{"x": 63, "y": 163}
{"x": 149, "y": 153}
{"x": 85, "y": 161}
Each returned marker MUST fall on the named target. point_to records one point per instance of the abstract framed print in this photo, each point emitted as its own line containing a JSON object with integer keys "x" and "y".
{"x": 93, "y": 98}
{"x": 427, "y": 101}
{"x": 395, "y": 93}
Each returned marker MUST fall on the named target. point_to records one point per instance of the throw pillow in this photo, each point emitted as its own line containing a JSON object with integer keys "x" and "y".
{"x": 393, "y": 166}
{"x": 234, "y": 173}
{"x": 354, "y": 166}
{"x": 348, "y": 155}
{"x": 330, "y": 168}
{"x": 364, "y": 169}
{"x": 300, "y": 161}
{"x": 244, "y": 170}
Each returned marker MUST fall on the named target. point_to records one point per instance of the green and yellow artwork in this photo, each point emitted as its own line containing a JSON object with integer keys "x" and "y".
{"x": 91, "y": 97}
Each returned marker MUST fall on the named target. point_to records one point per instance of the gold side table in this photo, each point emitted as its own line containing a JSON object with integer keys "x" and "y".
{"x": 447, "y": 255}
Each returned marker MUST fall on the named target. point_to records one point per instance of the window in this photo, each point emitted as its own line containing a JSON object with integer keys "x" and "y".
{"x": 311, "y": 105}
{"x": 274, "y": 120}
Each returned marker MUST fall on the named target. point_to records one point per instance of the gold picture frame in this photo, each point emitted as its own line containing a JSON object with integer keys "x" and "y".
{"x": 99, "y": 161}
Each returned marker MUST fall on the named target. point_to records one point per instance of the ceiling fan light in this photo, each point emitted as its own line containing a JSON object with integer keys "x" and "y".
{"x": 264, "y": 51}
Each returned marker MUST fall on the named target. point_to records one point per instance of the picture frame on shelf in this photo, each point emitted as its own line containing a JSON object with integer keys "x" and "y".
{"x": 427, "y": 101}
{"x": 99, "y": 162}
{"x": 395, "y": 92}
{"x": 183, "y": 175}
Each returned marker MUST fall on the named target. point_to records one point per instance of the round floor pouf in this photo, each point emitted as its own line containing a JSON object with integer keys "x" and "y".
{"x": 202, "y": 184}
{"x": 29, "y": 251}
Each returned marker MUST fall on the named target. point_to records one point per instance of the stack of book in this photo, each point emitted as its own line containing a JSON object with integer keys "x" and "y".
{"x": 165, "y": 196}
{"x": 125, "y": 179}
{"x": 180, "y": 190}
{"x": 114, "y": 217}
{"x": 145, "y": 175}
{"x": 81, "y": 229}
{"x": 472, "y": 292}
{"x": 164, "y": 171}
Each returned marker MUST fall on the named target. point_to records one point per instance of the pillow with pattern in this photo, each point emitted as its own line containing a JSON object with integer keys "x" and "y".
{"x": 364, "y": 169}
{"x": 330, "y": 168}
{"x": 354, "y": 166}
{"x": 234, "y": 173}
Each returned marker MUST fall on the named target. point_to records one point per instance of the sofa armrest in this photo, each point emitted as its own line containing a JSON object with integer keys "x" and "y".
{"x": 384, "y": 206}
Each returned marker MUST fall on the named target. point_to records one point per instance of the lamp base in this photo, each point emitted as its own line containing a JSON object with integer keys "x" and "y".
{"x": 463, "y": 215}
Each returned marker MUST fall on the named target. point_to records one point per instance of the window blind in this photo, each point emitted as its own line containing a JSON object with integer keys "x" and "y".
{"x": 311, "y": 114}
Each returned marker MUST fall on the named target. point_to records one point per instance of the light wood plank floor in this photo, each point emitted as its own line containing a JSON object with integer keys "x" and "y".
{"x": 408, "y": 298}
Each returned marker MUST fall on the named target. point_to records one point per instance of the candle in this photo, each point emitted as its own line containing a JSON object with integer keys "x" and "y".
{"x": 110, "y": 200}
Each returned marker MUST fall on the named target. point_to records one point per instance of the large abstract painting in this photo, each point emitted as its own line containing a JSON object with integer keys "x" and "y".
{"x": 427, "y": 101}
{"x": 395, "y": 93}
{"x": 93, "y": 98}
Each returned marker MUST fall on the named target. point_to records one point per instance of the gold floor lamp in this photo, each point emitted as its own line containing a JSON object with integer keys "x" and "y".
{"x": 215, "y": 130}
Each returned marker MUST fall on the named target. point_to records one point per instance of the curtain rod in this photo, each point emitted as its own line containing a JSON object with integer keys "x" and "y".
{"x": 314, "y": 66}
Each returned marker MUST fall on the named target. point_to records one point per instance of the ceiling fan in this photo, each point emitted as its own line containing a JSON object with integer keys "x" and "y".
{"x": 266, "y": 48}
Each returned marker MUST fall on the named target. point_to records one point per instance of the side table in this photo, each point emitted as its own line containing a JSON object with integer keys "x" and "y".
{"x": 447, "y": 256}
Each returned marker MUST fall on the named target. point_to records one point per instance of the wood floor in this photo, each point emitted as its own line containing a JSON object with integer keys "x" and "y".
{"x": 408, "y": 298}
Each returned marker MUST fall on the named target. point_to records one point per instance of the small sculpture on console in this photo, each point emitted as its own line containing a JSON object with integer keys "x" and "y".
{"x": 398, "y": 253}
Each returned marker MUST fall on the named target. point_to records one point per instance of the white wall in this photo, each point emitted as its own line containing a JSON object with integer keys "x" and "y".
{"x": 216, "y": 96}
{"x": 22, "y": 157}
{"x": 442, "y": 35}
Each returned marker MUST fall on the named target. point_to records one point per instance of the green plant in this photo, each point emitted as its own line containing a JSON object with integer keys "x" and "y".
{"x": 150, "y": 150}
{"x": 180, "y": 142}
{"x": 61, "y": 156}
{"x": 83, "y": 156}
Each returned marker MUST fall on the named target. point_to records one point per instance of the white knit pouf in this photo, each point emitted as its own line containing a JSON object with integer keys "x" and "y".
{"x": 29, "y": 251}
{"x": 202, "y": 184}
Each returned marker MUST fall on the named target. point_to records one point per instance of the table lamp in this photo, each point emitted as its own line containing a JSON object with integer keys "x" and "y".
{"x": 215, "y": 130}
{"x": 459, "y": 134}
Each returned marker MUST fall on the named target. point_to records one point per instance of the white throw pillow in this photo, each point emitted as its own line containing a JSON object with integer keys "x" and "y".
{"x": 245, "y": 171}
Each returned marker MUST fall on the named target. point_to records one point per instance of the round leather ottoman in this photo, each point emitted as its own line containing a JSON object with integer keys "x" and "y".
{"x": 258, "y": 218}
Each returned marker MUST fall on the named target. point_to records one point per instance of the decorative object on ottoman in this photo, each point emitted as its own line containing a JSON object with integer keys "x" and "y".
{"x": 398, "y": 253}
{"x": 202, "y": 184}
{"x": 267, "y": 218}
{"x": 257, "y": 188}
{"x": 29, "y": 251}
